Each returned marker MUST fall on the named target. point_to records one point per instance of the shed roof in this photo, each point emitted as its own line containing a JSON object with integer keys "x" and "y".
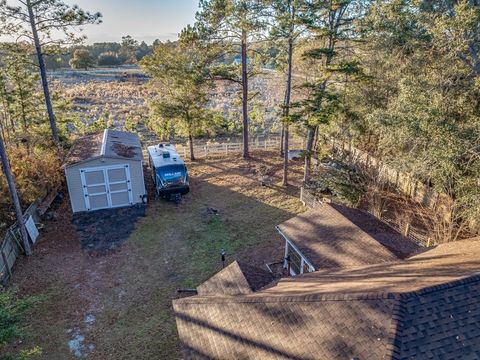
{"x": 425, "y": 307}
{"x": 336, "y": 236}
{"x": 109, "y": 143}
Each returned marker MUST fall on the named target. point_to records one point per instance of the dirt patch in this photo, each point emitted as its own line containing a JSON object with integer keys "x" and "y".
{"x": 104, "y": 230}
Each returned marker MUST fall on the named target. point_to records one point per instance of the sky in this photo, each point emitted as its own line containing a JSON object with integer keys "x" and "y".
{"x": 144, "y": 20}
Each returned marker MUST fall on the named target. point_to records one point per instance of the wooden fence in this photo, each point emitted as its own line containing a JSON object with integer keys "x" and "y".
{"x": 203, "y": 151}
{"x": 418, "y": 235}
{"x": 11, "y": 246}
{"x": 405, "y": 183}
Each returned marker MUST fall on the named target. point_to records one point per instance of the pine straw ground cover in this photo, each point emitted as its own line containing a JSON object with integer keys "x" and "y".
{"x": 118, "y": 305}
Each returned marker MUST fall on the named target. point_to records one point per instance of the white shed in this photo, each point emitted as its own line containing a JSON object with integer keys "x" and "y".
{"x": 104, "y": 171}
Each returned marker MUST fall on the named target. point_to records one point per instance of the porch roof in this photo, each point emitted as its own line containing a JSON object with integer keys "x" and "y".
{"x": 334, "y": 236}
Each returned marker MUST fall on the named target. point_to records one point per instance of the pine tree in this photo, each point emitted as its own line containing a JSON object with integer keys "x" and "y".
{"x": 287, "y": 28}
{"x": 82, "y": 59}
{"x": 39, "y": 21}
{"x": 181, "y": 76}
{"x": 232, "y": 25}
{"x": 331, "y": 24}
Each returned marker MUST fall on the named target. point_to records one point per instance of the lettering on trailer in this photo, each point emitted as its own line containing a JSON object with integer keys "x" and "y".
{"x": 171, "y": 175}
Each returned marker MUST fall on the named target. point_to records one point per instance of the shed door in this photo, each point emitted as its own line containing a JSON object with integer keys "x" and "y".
{"x": 107, "y": 187}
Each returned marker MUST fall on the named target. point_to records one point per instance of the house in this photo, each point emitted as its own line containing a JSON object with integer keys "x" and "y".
{"x": 333, "y": 235}
{"x": 105, "y": 170}
{"x": 424, "y": 307}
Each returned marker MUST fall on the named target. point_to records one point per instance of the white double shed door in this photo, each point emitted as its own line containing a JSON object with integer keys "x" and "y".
{"x": 107, "y": 187}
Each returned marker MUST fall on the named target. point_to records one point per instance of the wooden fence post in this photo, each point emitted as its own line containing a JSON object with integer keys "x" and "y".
{"x": 226, "y": 149}
{"x": 429, "y": 241}
{"x": 5, "y": 260}
{"x": 206, "y": 151}
{"x": 407, "y": 229}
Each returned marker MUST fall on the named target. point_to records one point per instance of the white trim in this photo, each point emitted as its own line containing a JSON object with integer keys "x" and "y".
{"x": 143, "y": 179}
{"x": 129, "y": 184}
{"x": 303, "y": 257}
{"x": 98, "y": 168}
{"x": 104, "y": 143}
{"x": 114, "y": 182}
{"x": 99, "y": 184}
{"x": 85, "y": 191}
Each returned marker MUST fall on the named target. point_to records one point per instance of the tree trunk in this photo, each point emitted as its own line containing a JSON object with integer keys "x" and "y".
{"x": 285, "y": 158}
{"x": 315, "y": 139}
{"x": 245, "y": 95}
{"x": 16, "y": 201}
{"x": 288, "y": 93}
{"x": 282, "y": 135}
{"x": 308, "y": 154}
{"x": 43, "y": 74}
{"x": 190, "y": 140}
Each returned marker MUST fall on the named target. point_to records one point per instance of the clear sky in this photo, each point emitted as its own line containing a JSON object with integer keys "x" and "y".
{"x": 144, "y": 20}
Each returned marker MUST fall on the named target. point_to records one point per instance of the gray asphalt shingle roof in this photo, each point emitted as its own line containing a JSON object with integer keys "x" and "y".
{"x": 425, "y": 307}
{"x": 336, "y": 236}
{"x": 108, "y": 143}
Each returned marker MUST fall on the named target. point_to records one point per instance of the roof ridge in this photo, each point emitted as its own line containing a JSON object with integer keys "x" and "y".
{"x": 379, "y": 295}
{"x": 259, "y": 297}
{"x": 448, "y": 285}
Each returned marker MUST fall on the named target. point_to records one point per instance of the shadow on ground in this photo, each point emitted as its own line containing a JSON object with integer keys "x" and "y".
{"x": 104, "y": 230}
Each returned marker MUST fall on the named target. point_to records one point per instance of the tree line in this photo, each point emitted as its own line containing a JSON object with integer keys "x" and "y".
{"x": 399, "y": 78}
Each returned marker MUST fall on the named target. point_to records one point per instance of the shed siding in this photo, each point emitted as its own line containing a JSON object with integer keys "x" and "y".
{"x": 74, "y": 182}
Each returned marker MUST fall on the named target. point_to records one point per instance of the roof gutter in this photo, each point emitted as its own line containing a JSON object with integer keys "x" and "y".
{"x": 295, "y": 247}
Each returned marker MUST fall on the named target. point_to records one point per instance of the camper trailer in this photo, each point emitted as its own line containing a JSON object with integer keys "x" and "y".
{"x": 169, "y": 172}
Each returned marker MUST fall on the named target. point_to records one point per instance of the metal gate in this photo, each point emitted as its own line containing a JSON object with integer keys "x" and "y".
{"x": 107, "y": 187}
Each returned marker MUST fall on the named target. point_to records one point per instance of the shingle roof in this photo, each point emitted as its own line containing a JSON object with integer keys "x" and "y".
{"x": 237, "y": 278}
{"x": 108, "y": 143}
{"x": 442, "y": 264}
{"x": 426, "y": 307}
{"x": 84, "y": 148}
{"x": 336, "y": 236}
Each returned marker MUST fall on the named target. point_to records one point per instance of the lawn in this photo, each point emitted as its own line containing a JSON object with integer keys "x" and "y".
{"x": 117, "y": 305}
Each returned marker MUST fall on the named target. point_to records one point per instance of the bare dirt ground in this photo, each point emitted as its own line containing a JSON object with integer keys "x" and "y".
{"x": 117, "y": 304}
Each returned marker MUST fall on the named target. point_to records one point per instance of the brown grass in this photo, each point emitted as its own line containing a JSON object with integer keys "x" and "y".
{"x": 129, "y": 291}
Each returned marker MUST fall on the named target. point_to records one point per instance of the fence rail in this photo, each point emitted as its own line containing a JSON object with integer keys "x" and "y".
{"x": 203, "y": 151}
{"x": 405, "y": 183}
{"x": 11, "y": 246}
{"x": 420, "y": 236}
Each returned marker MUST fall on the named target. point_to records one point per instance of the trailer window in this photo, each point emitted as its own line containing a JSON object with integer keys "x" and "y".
{"x": 171, "y": 171}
